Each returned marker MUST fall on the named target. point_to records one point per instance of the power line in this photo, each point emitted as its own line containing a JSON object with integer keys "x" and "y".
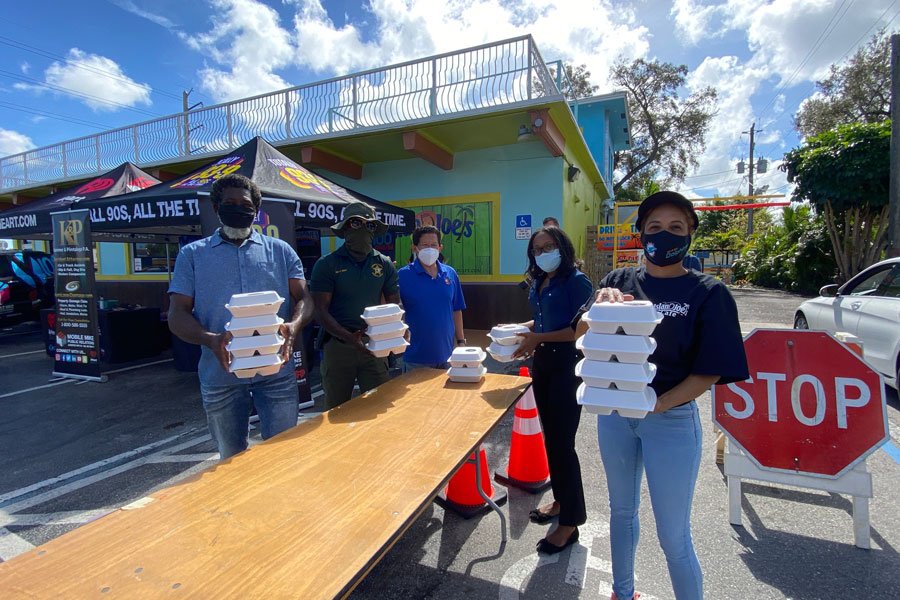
{"x": 46, "y": 54}
{"x": 52, "y": 115}
{"x": 829, "y": 28}
{"x": 72, "y": 92}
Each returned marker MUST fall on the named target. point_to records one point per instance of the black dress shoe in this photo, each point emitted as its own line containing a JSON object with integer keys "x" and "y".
{"x": 545, "y": 547}
{"x": 536, "y": 516}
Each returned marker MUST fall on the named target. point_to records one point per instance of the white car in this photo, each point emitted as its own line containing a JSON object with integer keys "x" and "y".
{"x": 868, "y": 306}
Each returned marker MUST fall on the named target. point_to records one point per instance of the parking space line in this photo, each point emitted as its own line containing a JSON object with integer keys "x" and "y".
{"x": 68, "y": 517}
{"x": 21, "y": 354}
{"x": 62, "y": 490}
{"x": 891, "y": 450}
{"x": 12, "y": 545}
{"x": 37, "y": 387}
{"x": 149, "y": 364}
{"x": 176, "y": 458}
{"x": 87, "y": 468}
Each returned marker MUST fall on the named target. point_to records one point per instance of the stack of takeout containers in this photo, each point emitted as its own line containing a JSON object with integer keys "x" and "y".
{"x": 386, "y": 330}
{"x": 255, "y": 347}
{"x": 505, "y": 340}
{"x": 615, "y": 370}
{"x": 465, "y": 364}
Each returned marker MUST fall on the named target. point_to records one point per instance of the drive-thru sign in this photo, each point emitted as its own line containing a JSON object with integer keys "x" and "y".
{"x": 811, "y": 405}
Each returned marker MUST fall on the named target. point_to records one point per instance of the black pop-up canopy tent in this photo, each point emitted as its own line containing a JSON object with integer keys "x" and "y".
{"x": 32, "y": 220}
{"x": 182, "y": 205}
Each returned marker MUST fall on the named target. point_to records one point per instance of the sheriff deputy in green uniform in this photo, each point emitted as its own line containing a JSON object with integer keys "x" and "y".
{"x": 344, "y": 283}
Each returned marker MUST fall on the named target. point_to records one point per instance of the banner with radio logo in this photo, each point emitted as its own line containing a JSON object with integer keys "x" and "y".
{"x": 77, "y": 332}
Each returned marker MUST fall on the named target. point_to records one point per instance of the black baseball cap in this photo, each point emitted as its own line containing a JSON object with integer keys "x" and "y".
{"x": 660, "y": 198}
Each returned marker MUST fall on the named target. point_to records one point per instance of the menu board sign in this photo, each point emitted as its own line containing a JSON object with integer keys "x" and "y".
{"x": 77, "y": 332}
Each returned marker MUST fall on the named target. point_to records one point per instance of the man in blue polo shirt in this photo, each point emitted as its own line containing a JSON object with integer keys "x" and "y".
{"x": 433, "y": 300}
{"x": 236, "y": 260}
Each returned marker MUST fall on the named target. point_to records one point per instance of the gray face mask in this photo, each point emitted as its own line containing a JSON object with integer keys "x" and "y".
{"x": 358, "y": 242}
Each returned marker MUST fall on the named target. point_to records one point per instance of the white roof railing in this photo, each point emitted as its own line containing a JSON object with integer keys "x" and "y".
{"x": 485, "y": 78}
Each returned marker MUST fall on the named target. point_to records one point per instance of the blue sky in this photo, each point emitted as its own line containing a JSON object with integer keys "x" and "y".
{"x": 69, "y": 69}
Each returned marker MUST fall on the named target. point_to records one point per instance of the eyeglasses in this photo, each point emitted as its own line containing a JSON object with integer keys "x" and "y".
{"x": 538, "y": 250}
{"x": 356, "y": 223}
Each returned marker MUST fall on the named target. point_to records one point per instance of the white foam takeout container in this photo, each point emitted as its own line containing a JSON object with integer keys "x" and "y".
{"x": 603, "y": 401}
{"x": 259, "y": 325}
{"x": 502, "y": 353}
{"x": 254, "y": 304}
{"x": 382, "y": 313}
{"x": 634, "y": 317}
{"x": 624, "y": 348}
{"x": 382, "y": 348}
{"x": 624, "y": 376}
{"x": 508, "y": 335}
{"x": 467, "y": 356}
{"x": 387, "y": 331}
{"x": 466, "y": 374}
{"x": 241, "y": 347}
{"x": 266, "y": 364}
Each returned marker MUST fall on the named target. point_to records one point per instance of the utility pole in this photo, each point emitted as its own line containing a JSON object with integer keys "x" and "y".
{"x": 750, "y": 177}
{"x": 187, "y": 125}
{"x": 894, "y": 187}
{"x": 751, "y": 166}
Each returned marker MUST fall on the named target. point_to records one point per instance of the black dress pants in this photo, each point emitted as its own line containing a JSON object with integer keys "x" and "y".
{"x": 554, "y": 383}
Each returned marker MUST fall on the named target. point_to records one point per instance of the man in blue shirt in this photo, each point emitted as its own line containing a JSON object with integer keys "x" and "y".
{"x": 236, "y": 260}
{"x": 433, "y": 300}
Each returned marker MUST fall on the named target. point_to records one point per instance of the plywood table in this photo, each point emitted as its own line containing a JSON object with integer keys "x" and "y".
{"x": 304, "y": 515}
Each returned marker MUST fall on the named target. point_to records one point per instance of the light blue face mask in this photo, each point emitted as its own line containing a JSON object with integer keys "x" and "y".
{"x": 548, "y": 261}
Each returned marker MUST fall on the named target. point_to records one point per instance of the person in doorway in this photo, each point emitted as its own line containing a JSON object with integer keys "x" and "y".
{"x": 236, "y": 260}
{"x": 699, "y": 344}
{"x": 550, "y": 222}
{"x": 692, "y": 262}
{"x": 433, "y": 300}
{"x": 343, "y": 284}
{"x": 557, "y": 293}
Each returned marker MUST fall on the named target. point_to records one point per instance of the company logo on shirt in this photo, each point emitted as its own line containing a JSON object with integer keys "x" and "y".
{"x": 673, "y": 309}
{"x": 377, "y": 270}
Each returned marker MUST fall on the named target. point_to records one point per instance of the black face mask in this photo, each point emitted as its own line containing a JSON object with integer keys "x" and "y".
{"x": 663, "y": 248}
{"x": 238, "y": 216}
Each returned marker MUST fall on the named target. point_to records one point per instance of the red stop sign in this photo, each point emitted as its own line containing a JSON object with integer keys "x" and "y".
{"x": 811, "y": 405}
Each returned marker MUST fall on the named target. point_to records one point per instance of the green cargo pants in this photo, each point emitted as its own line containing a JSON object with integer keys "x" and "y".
{"x": 341, "y": 365}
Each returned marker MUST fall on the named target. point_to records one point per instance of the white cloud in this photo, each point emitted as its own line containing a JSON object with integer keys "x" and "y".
{"x": 25, "y": 66}
{"x": 694, "y": 22}
{"x": 129, "y": 6}
{"x": 13, "y": 142}
{"x": 100, "y": 80}
{"x": 409, "y": 29}
{"x": 248, "y": 40}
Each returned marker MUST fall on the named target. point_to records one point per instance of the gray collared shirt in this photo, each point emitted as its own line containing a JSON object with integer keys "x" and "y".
{"x": 211, "y": 270}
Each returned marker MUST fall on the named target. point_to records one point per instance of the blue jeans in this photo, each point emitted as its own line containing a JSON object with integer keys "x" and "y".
{"x": 409, "y": 366}
{"x": 228, "y": 410}
{"x": 667, "y": 445}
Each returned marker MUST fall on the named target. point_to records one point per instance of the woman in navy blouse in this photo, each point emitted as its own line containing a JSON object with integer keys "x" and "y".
{"x": 557, "y": 293}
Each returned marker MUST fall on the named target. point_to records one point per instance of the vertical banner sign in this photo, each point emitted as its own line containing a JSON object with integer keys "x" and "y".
{"x": 77, "y": 332}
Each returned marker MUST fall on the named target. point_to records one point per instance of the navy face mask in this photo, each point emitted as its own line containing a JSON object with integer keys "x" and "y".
{"x": 238, "y": 216}
{"x": 663, "y": 248}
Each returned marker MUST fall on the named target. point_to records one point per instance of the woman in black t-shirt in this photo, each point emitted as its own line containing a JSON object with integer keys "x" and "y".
{"x": 699, "y": 344}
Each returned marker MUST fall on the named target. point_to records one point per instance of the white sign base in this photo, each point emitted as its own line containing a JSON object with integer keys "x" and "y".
{"x": 857, "y": 482}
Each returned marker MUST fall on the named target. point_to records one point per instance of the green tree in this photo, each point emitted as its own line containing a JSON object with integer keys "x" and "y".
{"x": 858, "y": 91}
{"x": 576, "y": 83}
{"x": 845, "y": 173}
{"x": 793, "y": 255}
{"x": 668, "y": 132}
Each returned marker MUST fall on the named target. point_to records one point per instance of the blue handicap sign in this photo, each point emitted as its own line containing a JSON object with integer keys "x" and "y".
{"x": 523, "y": 220}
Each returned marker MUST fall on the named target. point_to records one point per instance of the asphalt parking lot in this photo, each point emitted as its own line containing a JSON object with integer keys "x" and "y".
{"x": 71, "y": 452}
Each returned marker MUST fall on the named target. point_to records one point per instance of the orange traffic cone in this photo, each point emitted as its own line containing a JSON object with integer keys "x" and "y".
{"x": 527, "y": 469}
{"x": 461, "y": 494}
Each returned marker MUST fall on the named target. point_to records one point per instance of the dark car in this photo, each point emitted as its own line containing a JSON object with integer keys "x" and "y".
{"x": 26, "y": 283}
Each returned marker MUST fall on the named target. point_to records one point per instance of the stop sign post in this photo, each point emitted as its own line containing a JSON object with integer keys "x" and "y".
{"x": 809, "y": 414}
